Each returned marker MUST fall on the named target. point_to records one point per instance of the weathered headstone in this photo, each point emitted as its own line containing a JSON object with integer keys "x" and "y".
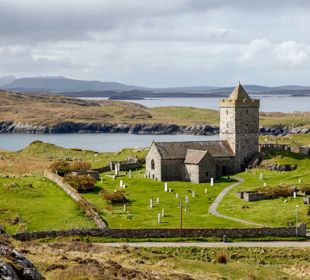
{"x": 121, "y": 183}
{"x": 170, "y": 190}
{"x": 265, "y": 184}
{"x": 186, "y": 199}
{"x": 158, "y": 218}
{"x": 212, "y": 182}
{"x": 193, "y": 193}
{"x": 166, "y": 187}
{"x": 129, "y": 174}
{"x": 176, "y": 195}
{"x": 246, "y": 170}
{"x": 261, "y": 176}
{"x": 151, "y": 202}
{"x": 157, "y": 199}
{"x": 163, "y": 212}
{"x": 206, "y": 190}
{"x": 294, "y": 194}
{"x": 124, "y": 207}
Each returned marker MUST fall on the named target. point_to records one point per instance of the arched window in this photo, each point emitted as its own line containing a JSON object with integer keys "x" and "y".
{"x": 152, "y": 164}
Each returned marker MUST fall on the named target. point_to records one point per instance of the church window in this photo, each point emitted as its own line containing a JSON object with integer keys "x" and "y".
{"x": 152, "y": 164}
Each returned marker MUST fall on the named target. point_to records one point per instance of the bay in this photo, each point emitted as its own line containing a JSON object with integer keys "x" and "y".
{"x": 103, "y": 142}
{"x": 275, "y": 103}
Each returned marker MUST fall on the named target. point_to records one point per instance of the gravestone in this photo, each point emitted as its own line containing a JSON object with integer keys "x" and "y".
{"x": 206, "y": 190}
{"x": 261, "y": 176}
{"x": 212, "y": 182}
{"x": 294, "y": 194}
{"x": 129, "y": 174}
{"x": 124, "y": 207}
{"x": 186, "y": 199}
{"x": 166, "y": 187}
{"x": 170, "y": 190}
{"x": 121, "y": 183}
{"x": 158, "y": 218}
{"x": 185, "y": 209}
{"x": 176, "y": 195}
{"x": 151, "y": 202}
{"x": 193, "y": 193}
{"x": 265, "y": 184}
{"x": 157, "y": 199}
{"x": 163, "y": 212}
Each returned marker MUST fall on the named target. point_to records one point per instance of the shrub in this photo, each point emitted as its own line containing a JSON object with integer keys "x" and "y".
{"x": 114, "y": 197}
{"x": 221, "y": 257}
{"x": 79, "y": 165}
{"x": 60, "y": 167}
{"x": 63, "y": 167}
{"x": 304, "y": 188}
{"x": 275, "y": 192}
{"x": 80, "y": 182}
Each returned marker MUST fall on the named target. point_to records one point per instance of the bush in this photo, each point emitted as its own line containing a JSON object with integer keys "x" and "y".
{"x": 63, "y": 167}
{"x": 60, "y": 167}
{"x": 304, "y": 188}
{"x": 114, "y": 197}
{"x": 275, "y": 192}
{"x": 81, "y": 183}
{"x": 221, "y": 257}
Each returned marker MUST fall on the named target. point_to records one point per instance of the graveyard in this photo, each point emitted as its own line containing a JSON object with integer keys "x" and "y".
{"x": 149, "y": 204}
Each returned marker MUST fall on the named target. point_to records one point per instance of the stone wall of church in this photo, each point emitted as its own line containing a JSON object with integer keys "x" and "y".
{"x": 172, "y": 169}
{"x": 191, "y": 173}
{"x": 153, "y": 164}
{"x": 239, "y": 125}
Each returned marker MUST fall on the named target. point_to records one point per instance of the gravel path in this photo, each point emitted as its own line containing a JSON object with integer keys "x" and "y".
{"x": 214, "y": 205}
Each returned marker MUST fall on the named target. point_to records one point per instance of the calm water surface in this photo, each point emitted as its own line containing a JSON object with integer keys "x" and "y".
{"x": 110, "y": 142}
{"x": 283, "y": 103}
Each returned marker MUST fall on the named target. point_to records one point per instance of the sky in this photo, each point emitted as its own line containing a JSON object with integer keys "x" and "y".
{"x": 158, "y": 43}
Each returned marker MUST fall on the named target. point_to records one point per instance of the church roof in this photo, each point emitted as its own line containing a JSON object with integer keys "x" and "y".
{"x": 178, "y": 150}
{"x": 194, "y": 156}
{"x": 239, "y": 93}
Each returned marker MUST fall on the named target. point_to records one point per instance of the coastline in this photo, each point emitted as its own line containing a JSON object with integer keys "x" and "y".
{"x": 7, "y": 127}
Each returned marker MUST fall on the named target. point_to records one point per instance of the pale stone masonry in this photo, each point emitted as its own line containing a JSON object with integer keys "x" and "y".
{"x": 199, "y": 161}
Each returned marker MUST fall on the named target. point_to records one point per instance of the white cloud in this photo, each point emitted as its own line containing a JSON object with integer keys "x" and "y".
{"x": 263, "y": 53}
{"x": 290, "y": 53}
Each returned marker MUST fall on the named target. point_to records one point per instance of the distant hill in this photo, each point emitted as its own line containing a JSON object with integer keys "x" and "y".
{"x": 62, "y": 84}
{"x": 79, "y": 88}
{"x": 6, "y": 80}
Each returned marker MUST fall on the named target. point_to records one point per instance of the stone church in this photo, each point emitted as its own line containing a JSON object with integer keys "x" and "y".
{"x": 198, "y": 161}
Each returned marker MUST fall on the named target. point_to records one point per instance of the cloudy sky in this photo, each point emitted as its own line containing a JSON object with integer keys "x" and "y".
{"x": 158, "y": 43}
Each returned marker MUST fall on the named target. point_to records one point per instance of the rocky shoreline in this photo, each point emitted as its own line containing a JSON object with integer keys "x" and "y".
{"x": 72, "y": 127}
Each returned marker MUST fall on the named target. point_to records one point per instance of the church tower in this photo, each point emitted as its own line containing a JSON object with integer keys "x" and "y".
{"x": 239, "y": 125}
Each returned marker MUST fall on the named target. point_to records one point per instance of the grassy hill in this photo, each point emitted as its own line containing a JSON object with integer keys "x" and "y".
{"x": 52, "y": 109}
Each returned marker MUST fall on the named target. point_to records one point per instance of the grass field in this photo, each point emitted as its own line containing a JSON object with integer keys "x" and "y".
{"x": 39, "y": 155}
{"x": 138, "y": 213}
{"x": 34, "y": 203}
{"x": 272, "y": 212}
{"x": 290, "y": 139}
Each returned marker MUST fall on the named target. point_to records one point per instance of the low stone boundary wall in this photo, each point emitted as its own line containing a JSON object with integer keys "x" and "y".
{"x": 168, "y": 233}
{"x": 82, "y": 202}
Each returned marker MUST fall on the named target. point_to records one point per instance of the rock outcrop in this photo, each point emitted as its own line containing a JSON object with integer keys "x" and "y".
{"x": 73, "y": 127}
{"x": 15, "y": 266}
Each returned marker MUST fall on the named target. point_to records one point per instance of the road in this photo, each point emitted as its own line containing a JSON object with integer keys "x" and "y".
{"x": 219, "y": 198}
{"x": 275, "y": 244}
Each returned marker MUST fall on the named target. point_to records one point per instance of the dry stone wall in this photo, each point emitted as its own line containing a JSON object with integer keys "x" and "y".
{"x": 168, "y": 233}
{"x": 83, "y": 203}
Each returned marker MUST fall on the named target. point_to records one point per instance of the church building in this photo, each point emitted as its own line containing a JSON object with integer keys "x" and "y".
{"x": 198, "y": 161}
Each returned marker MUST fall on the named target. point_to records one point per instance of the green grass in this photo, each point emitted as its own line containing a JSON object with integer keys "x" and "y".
{"x": 290, "y": 139}
{"x": 39, "y": 205}
{"x": 271, "y": 212}
{"x": 140, "y": 215}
